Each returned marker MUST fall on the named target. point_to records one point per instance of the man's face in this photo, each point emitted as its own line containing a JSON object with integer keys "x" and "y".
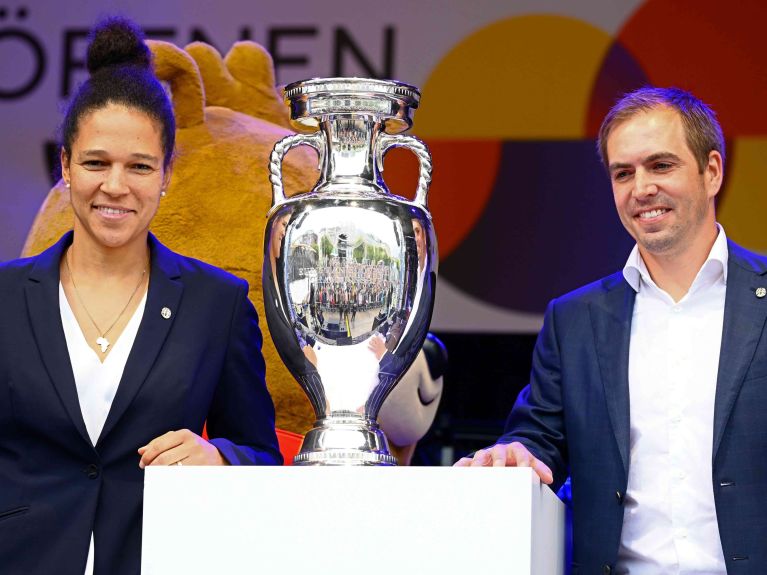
{"x": 663, "y": 200}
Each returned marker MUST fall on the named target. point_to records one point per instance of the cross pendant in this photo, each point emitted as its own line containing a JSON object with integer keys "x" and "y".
{"x": 102, "y": 341}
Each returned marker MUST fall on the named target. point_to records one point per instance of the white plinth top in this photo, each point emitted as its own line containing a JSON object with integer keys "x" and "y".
{"x": 350, "y": 520}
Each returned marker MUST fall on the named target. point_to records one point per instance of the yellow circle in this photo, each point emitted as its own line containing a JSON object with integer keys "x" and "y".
{"x": 741, "y": 210}
{"x": 527, "y": 77}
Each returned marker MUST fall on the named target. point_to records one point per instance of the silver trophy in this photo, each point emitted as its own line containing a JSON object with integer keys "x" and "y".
{"x": 349, "y": 268}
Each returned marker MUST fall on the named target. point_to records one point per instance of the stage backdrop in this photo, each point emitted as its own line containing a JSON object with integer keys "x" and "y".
{"x": 513, "y": 93}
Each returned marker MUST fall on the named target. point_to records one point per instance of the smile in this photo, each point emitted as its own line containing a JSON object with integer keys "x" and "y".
{"x": 652, "y": 213}
{"x": 111, "y": 211}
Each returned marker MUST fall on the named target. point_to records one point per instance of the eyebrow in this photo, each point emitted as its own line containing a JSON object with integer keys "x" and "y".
{"x": 648, "y": 160}
{"x": 136, "y": 156}
{"x": 662, "y": 156}
{"x": 618, "y": 166}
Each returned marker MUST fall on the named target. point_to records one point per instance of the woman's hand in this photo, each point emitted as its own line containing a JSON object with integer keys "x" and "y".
{"x": 181, "y": 447}
{"x": 377, "y": 345}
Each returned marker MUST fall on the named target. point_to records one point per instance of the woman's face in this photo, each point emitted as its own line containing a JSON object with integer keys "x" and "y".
{"x": 278, "y": 234}
{"x": 116, "y": 175}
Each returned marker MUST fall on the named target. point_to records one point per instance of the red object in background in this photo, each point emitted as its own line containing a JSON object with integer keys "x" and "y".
{"x": 290, "y": 443}
{"x": 452, "y": 184}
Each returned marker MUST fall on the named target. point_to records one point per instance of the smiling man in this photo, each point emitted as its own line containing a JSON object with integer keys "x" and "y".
{"x": 649, "y": 387}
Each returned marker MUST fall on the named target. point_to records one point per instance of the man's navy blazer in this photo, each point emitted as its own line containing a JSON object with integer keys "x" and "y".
{"x": 202, "y": 362}
{"x": 574, "y": 415}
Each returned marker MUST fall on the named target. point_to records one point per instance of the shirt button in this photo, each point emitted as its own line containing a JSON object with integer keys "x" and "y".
{"x": 681, "y": 475}
{"x": 606, "y": 569}
{"x": 619, "y": 497}
{"x": 92, "y": 471}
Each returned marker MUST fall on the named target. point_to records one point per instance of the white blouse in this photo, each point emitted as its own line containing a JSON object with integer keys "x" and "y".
{"x": 96, "y": 382}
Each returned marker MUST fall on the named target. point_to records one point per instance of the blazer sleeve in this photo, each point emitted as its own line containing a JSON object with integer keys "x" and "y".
{"x": 537, "y": 418}
{"x": 241, "y": 418}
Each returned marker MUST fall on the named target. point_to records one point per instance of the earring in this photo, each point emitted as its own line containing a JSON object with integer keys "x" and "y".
{"x": 66, "y": 184}
{"x": 162, "y": 193}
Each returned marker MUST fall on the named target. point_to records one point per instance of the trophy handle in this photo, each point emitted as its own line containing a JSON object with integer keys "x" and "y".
{"x": 316, "y": 141}
{"x": 389, "y": 141}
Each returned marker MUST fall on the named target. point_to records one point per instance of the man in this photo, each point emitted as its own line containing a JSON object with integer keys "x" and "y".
{"x": 649, "y": 387}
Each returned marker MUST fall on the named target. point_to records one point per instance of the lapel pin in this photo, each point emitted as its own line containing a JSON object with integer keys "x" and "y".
{"x": 166, "y": 313}
{"x": 760, "y": 292}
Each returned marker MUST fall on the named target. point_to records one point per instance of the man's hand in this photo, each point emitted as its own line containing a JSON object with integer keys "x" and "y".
{"x": 508, "y": 455}
{"x": 179, "y": 448}
{"x": 310, "y": 354}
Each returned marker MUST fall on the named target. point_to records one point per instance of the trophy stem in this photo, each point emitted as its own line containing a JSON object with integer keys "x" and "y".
{"x": 345, "y": 439}
{"x": 350, "y": 161}
{"x": 349, "y": 269}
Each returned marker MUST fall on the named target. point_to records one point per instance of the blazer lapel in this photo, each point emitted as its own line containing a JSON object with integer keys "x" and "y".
{"x": 744, "y": 323}
{"x": 165, "y": 291}
{"x": 611, "y": 322}
{"x": 42, "y": 295}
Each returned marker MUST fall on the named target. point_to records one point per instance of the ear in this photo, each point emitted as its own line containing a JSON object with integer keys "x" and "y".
{"x": 168, "y": 172}
{"x": 64, "y": 158}
{"x": 713, "y": 173}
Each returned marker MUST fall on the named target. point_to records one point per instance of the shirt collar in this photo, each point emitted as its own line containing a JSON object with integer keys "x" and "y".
{"x": 635, "y": 270}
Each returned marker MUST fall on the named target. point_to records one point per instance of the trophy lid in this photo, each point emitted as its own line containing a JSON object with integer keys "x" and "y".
{"x": 391, "y": 101}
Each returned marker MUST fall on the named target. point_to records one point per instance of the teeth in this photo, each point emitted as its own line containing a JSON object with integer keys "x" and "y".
{"x": 113, "y": 211}
{"x": 652, "y": 214}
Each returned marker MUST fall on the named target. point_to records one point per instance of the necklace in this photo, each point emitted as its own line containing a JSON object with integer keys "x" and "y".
{"x": 102, "y": 340}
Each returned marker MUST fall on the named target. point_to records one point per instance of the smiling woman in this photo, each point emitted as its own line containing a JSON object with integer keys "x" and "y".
{"x": 114, "y": 350}
{"x": 116, "y": 177}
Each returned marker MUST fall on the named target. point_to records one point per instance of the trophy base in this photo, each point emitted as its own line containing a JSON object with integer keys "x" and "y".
{"x": 345, "y": 440}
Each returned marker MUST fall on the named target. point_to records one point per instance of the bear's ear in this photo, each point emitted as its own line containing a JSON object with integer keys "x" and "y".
{"x": 243, "y": 81}
{"x": 177, "y": 68}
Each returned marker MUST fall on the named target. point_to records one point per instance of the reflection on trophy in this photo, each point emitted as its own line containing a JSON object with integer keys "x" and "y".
{"x": 349, "y": 268}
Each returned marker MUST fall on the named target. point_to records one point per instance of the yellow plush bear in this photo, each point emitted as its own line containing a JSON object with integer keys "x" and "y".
{"x": 229, "y": 116}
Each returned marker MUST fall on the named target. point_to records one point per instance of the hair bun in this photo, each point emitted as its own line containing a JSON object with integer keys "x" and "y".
{"x": 117, "y": 41}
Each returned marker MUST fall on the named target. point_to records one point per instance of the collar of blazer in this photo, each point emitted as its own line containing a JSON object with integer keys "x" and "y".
{"x": 744, "y": 321}
{"x": 165, "y": 290}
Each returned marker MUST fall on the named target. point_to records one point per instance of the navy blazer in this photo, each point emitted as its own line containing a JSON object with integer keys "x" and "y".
{"x": 202, "y": 363}
{"x": 574, "y": 415}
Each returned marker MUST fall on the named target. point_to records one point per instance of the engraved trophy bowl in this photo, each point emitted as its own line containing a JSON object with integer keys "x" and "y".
{"x": 349, "y": 268}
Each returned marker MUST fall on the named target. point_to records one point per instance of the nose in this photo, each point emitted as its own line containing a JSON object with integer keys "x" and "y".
{"x": 114, "y": 182}
{"x": 644, "y": 185}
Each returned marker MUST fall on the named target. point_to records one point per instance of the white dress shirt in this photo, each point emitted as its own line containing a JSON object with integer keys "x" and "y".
{"x": 669, "y": 521}
{"x": 96, "y": 382}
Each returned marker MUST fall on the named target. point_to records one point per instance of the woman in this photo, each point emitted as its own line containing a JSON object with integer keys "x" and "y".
{"x": 115, "y": 351}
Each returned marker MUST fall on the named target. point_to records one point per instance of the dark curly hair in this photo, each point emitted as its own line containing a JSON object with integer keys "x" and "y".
{"x": 120, "y": 66}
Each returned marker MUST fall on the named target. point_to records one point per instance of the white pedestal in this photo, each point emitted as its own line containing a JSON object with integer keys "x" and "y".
{"x": 350, "y": 520}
